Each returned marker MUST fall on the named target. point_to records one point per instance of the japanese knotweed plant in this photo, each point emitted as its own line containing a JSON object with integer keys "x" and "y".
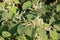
{"x": 29, "y": 20}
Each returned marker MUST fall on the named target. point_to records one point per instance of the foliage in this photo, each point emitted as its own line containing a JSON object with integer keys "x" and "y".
{"x": 29, "y": 20}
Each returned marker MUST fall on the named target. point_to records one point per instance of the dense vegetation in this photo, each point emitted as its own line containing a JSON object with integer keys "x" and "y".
{"x": 29, "y": 19}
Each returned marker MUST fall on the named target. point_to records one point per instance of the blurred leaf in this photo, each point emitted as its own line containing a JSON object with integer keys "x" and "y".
{"x": 45, "y": 25}
{"x": 53, "y": 34}
{"x": 41, "y": 34}
{"x": 12, "y": 10}
{"x": 30, "y": 20}
{"x": 43, "y": 10}
{"x": 13, "y": 29}
{"x": 29, "y": 17}
{"x": 57, "y": 27}
{"x": 6, "y": 34}
{"x": 58, "y": 8}
{"x": 51, "y": 20}
{"x": 29, "y": 31}
{"x": 25, "y": 30}
{"x": 58, "y": 36}
{"x": 3, "y": 28}
{"x": 26, "y": 5}
{"x": 21, "y": 30}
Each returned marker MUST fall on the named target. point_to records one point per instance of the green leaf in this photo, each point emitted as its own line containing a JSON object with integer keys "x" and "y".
{"x": 0, "y": 4}
{"x": 6, "y": 34}
{"x": 26, "y": 5}
{"x": 29, "y": 17}
{"x": 42, "y": 10}
{"x": 58, "y": 35}
{"x": 53, "y": 34}
{"x": 21, "y": 29}
{"x": 51, "y": 20}
{"x": 58, "y": 8}
{"x": 25, "y": 30}
{"x": 57, "y": 27}
{"x": 13, "y": 29}
{"x": 3, "y": 28}
{"x": 29, "y": 31}
{"x": 12, "y": 10}
{"x": 45, "y": 25}
{"x": 41, "y": 34}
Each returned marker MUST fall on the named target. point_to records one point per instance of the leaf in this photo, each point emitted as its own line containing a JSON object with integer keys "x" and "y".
{"x": 0, "y": 4}
{"x": 6, "y": 34}
{"x": 29, "y": 31}
{"x": 58, "y": 36}
{"x": 25, "y": 30}
{"x": 43, "y": 9}
{"x": 21, "y": 29}
{"x": 12, "y": 10}
{"x": 45, "y": 25}
{"x": 13, "y": 29}
{"x": 51, "y": 20}
{"x": 3, "y": 28}
{"x": 53, "y": 34}
{"x": 58, "y": 8}
{"x": 41, "y": 34}
{"x": 26, "y": 5}
{"x": 29, "y": 17}
{"x": 57, "y": 27}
